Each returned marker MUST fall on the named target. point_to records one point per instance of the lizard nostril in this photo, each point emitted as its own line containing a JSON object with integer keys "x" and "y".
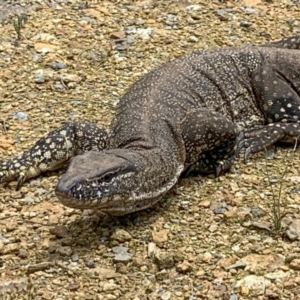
{"x": 64, "y": 187}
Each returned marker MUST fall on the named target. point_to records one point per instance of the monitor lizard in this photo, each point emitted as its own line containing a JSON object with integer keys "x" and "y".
{"x": 193, "y": 114}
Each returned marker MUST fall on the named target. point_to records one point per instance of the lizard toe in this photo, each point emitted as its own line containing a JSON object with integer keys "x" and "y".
{"x": 248, "y": 151}
{"x": 21, "y": 180}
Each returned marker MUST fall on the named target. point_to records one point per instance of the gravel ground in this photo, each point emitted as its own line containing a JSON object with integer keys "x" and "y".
{"x": 11, "y": 8}
{"x": 209, "y": 238}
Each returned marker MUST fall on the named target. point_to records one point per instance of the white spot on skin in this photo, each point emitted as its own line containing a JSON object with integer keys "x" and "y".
{"x": 37, "y": 153}
{"x": 47, "y": 154}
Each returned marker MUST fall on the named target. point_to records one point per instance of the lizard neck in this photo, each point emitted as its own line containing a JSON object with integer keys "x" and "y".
{"x": 159, "y": 160}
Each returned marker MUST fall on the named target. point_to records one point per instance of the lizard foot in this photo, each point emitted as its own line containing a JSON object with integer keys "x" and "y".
{"x": 14, "y": 170}
{"x": 224, "y": 165}
{"x": 256, "y": 140}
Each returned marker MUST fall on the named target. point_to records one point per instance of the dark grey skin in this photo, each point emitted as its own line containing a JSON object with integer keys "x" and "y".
{"x": 193, "y": 114}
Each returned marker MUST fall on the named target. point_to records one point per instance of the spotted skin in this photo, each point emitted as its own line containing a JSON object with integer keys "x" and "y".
{"x": 217, "y": 154}
{"x": 193, "y": 114}
{"x": 54, "y": 150}
{"x": 269, "y": 135}
{"x": 288, "y": 43}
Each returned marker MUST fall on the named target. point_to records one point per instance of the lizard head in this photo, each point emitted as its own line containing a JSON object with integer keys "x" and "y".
{"x": 99, "y": 180}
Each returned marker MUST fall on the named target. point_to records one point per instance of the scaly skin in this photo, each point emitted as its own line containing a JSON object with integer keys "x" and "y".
{"x": 193, "y": 114}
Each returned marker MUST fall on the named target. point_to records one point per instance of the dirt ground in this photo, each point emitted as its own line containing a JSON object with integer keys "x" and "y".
{"x": 209, "y": 238}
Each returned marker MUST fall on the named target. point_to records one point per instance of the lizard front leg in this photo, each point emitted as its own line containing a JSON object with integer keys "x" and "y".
{"x": 210, "y": 141}
{"x": 54, "y": 150}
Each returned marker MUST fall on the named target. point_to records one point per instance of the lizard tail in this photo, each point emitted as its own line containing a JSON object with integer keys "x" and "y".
{"x": 292, "y": 42}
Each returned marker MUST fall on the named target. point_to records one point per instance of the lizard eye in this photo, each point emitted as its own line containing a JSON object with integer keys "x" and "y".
{"x": 108, "y": 177}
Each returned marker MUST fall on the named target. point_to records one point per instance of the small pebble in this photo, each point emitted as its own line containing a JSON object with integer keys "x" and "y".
{"x": 36, "y": 57}
{"x": 4, "y": 240}
{"x": 38, "y": 267}
{"x": 213, "y": 228}
{"x": 36, "y": 238}
{"x": 121, "y": 254}
{"x": 250, "y": 10}
{"x": 220, "y": 211}
{"x": 121, "y": 236}
{"x": 59, "y": 231}
{"x": 193, "y": 39}
{"x": 257, "y": 212}
{"x": 245, "y": 24}
{"x": 40, "y": 79}
{"x": 64, "y": 251}
{"x": 59, "y": 86}
{"x": 21, "y": 116}
{"x": 90, "y": 264}
{"x": 58, "y": 65}
{"x": 75, "y": 257}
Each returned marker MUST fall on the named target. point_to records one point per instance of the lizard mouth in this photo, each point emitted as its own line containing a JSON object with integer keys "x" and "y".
{"x": 79, "y": 203}
{"x": 112, "y": 205}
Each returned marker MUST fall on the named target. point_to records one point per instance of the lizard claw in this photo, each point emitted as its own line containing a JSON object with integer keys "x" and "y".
{"x": 219, "y": 170}
{"x": 224, "y": 165}
{"x": 240, "y": 139}
{"x": 21, "y": 180}
{"x": 2, "y": 176}
{"x": 4, "y": 172}
{"x": 10, "y": 171}
{"x": 242, "y": 142}
{"x": 248, "y": 151}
